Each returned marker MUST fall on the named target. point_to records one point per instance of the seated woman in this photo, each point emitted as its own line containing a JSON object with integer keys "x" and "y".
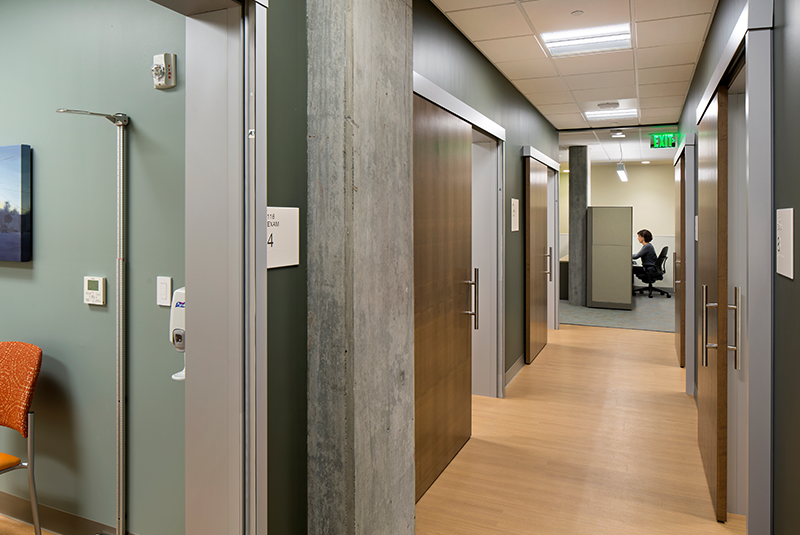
{"x": 647, "y": 253}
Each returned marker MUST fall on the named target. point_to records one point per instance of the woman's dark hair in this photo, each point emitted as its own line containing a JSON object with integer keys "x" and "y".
{"x": 646, "y": 235}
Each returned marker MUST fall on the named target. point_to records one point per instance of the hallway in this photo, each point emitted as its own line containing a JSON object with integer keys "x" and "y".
{"x": 595, "y": 437}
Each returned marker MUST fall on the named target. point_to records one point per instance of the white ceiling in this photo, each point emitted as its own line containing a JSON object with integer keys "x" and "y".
{"x": 634, "y": 147}
{"x": 653, "y": 76}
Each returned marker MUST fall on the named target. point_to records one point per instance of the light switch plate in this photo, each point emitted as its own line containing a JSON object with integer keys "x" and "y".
{"x": 514, "y": 215}
{"x": 784, "y": 242}
{"x": 164, "y": 291}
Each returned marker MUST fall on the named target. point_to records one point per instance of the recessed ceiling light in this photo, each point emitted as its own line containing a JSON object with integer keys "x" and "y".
{"x": 618, "y": 135}
{"x": 612, "y": 114}
{"x": 645, "y": 162}
{"x": 587, "y": 40}
{"x": 577, "y": 13}
{"x": 608, "y": 105}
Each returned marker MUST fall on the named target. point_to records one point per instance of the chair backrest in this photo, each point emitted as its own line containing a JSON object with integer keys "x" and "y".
{"x": 20, "y": 364}
{"x": 662, "y": 260}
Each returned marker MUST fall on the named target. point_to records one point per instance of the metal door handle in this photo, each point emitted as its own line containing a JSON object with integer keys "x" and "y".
{"x": 737, "y": 329}
{"x": 549, "y": 271}
{"x": 704, "y": 341}
{"x": 475, "y": 283}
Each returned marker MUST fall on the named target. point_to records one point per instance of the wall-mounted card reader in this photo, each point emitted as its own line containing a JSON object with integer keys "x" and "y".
{"x": 94, "y": 290}
{"x": 177, "y": 328}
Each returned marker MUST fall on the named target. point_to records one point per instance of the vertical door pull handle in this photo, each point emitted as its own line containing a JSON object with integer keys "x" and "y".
{"x": 737, "y": 328}
{"x": 705, "y": 345}
{"x": 549, "y": 256}
{"x": 475, "y": 283}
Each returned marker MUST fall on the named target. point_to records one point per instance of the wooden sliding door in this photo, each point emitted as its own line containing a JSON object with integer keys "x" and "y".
{"x": 678, "y": 260}
{"x": 538, "y": 263}
{"x": 712, "y": 274}
{"x": 442, "y": 293}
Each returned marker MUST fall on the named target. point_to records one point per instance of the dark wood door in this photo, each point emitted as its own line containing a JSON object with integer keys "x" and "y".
{"x": 537, "y": 261}
{"x": 677, "y": 267}
{"x": 442, "y": 295}
{"x": 712, "y": 274}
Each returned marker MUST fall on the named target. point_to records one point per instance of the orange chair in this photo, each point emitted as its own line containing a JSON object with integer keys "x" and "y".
{"x": 19, "y": 369}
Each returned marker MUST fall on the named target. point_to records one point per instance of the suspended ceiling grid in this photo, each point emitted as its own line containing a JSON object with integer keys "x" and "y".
{"x": 653, "y": 76}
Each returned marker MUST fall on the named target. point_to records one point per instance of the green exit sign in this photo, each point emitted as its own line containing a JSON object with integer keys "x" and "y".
{"x": 662, "y": 141}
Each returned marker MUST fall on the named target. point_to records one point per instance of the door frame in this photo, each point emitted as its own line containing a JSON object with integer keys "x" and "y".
{"x": 754, "y": 32}
{"x": 226, "y": 388}
{"x": 688, "y": 149}
{"x": 432, "y": 92}
{"x": 553, "y": 236}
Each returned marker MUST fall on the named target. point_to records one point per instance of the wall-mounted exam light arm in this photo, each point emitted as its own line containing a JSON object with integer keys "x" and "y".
{"x": 119, "y": 119}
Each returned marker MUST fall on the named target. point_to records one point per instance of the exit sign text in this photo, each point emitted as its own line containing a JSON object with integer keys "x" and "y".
{"x": 662, "y": 141}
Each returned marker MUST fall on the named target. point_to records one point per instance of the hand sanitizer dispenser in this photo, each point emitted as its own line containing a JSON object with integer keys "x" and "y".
{"x": 177, "y": 327}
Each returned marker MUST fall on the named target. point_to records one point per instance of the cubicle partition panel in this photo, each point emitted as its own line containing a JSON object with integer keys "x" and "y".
{"x": 608, "y": 232}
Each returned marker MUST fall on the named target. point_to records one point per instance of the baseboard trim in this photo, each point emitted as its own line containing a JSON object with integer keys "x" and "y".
{"x": 515, "y": 368}
{"x": 52, "y": 519}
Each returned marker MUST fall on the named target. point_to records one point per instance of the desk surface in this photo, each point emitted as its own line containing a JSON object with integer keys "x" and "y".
{"x": 564, "y": 258}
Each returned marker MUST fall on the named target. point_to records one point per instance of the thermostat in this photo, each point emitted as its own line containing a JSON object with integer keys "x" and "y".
{"x": 94, "y": 290}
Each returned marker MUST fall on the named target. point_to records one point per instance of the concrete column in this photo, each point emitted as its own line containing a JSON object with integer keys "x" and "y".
{"x": 360, "y": 268}
{"x": 578, "y": 201}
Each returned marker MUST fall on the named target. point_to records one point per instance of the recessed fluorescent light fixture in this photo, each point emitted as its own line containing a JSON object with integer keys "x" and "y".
{"x": 645, "y": 162}
{"x": 621, "y": 172}
{"x": 612, "y": 114}
{"x": 588, "y": 40}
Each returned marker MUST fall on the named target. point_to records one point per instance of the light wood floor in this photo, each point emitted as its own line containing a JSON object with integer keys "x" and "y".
{"x": 595, "y": 437}
{"x": 9, "y": 526}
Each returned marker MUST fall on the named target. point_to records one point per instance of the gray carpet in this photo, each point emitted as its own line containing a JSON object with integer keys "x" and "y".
{"x": 656, "y": 314}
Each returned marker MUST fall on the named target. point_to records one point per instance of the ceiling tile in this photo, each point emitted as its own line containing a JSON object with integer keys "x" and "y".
{"x": 491, "y": 22}
{"x": 665, "y": 75}
{"x": 671, "y": 31}
{"x": 457, "y": 5}
{"x": 567, "y": 120}
{"x": 661, "y": 102}
{"x": 529, "y": 68}
{"x": 606, "y": 93}
{"x": 540, "y": 85}
{"x": 661, "y": 112}
{"x": 624, "y": 104}
{"x": 662, "y": 56}
{"x": 614, "y": 122}
{"x": 584, "y": 137}
{"x": 594, "y": 63}
{"x": 555, "y": 15}
{"x": 659, "y": 9}
{"x": 511, "y": 49}
{"x": 599, "y": 80}
{"x": 663, "y": 90}
{"x": 552, "y": 109}
{"x": 543, "y": 99}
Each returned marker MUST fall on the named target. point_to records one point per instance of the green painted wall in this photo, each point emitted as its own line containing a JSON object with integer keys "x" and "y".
{"x": 786, "y": 292}
{"x": 287, "y": 177}
{"x": 445, "y": 57}
{"x": 96, "y": 55}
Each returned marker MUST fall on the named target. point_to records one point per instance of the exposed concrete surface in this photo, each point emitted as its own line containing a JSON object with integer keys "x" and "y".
{"x": 360, "y": 268}
{"x": 578, "y": 200}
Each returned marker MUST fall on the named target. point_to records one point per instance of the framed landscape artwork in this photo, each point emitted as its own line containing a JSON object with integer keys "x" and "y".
{"x": 15, "y": 203}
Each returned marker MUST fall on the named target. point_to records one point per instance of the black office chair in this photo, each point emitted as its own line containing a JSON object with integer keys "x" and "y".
{"x": 651, "y": 276}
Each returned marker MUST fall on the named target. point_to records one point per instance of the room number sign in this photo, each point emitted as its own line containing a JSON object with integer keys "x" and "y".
{"x": 283, "y": 237}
